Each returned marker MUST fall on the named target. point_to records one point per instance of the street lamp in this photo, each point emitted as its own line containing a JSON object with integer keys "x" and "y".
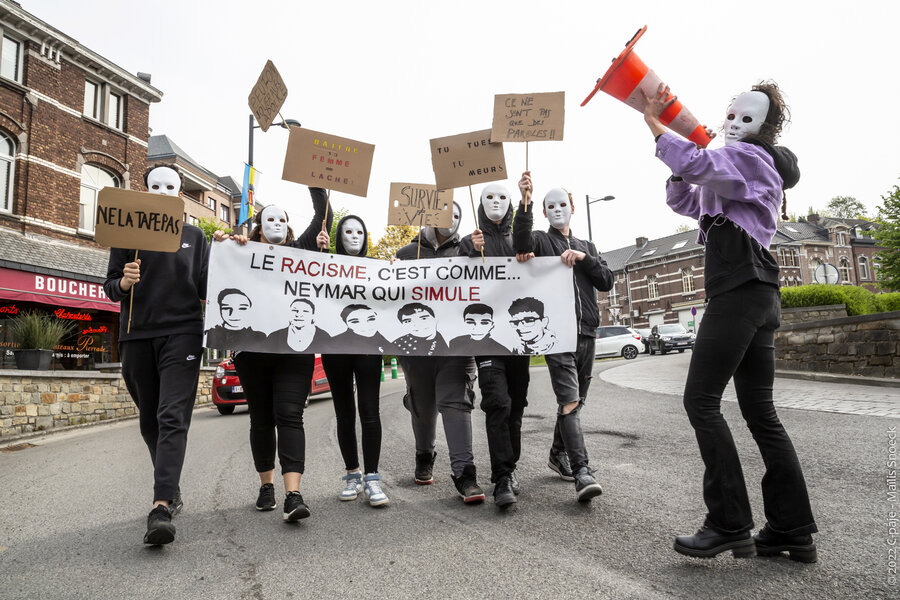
{"x": 286, "y": 124}
{"x": 590, "y": 201}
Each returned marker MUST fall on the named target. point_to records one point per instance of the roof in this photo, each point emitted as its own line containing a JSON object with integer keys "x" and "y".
{"x": 162, "y": 147}
{"x": 617, "y": 259}
{"x": 788, "y": 232}
{"x": 40, "y": 254}
{"x": 231, "y": 185}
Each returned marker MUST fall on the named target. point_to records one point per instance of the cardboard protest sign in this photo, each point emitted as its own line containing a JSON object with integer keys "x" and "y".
{"x": 420, "y": 204}
{"x": 297, "y": 301}
{"x": 528, "y": 117}
{"x": 328, "y": 161}
{"x": 467, "y": 159}
{"x": 267, "y": 96}
{"x": 138, "y": 220}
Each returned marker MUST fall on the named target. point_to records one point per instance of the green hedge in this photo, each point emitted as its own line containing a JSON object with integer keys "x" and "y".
{"x": 859, "y": 301}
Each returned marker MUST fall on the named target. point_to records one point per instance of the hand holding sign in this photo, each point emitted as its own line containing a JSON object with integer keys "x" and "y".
{"x": 267, "y": 96}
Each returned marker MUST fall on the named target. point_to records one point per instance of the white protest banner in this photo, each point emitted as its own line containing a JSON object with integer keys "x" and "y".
{"x": 283, "y": 300}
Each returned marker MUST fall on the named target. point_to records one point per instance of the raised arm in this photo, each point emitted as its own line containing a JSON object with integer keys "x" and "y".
{"x": 307, "y": 240}
{"x": 523, "y": 221}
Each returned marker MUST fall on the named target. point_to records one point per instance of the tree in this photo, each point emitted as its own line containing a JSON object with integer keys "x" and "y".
{"x": 846, "y": 207}
{"x": 210, "y": 226}
{"x": 394, "y": 238}
{"x": 684, "y": 227}
{"x": 888, "y": 237}
{"x": 338, "y": 215}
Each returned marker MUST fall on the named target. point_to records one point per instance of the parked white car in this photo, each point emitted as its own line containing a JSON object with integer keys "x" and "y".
{"x": 617, "y": 340}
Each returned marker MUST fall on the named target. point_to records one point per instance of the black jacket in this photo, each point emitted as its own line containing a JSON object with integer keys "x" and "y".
{"x": 168, "y": 298}
{"x": 590, "y": 274}
{"x": 307, "y": 239}
{"x": 498, "y": 238}
{"x": 425, "y": 245}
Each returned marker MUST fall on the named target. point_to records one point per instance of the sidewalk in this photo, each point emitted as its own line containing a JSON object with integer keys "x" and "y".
{"x": 667, "y": 374}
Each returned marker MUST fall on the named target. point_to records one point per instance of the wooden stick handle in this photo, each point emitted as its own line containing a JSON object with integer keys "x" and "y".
{"x": 475, "y": 214}
{"x": 327, "y": 208}
{"x": 131, "y": 298}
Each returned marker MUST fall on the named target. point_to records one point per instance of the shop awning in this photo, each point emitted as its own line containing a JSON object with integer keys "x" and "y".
{"x": 47, "y": 289}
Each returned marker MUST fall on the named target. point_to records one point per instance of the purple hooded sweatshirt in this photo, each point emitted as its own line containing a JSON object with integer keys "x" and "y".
{"x": 739, "y": 181}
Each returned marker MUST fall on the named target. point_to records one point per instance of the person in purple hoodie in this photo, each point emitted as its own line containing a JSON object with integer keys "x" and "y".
{"x": 735, "y": 193}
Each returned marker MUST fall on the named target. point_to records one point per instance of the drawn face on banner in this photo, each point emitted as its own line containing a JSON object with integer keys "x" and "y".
{"x": 301, "y": 315}
{"x": 421, "y": 324}
{"x": 274, "y": 224}
{"x": 745, "y": 116}
{"x": 529, "y": 325}
{"x": 479, "y": 325}
{"x": 352, "y": 236}
{"x": 495, "y": 200}
{"x": 558, "y": 208}
{"x": 457, "y": 215}
{"x": 233, "y": 309}
{"x": 165, "y": 181}
{"x": 363, "y": 322}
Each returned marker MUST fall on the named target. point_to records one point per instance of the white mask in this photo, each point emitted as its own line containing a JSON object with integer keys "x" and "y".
{"x": 274, "y": 224}
{"x": 495, "y": 201}
{"x": 165, "y": 181}
{"x": 558, "y": 208}
{"x": 448, "y": 232}
{"x": 745, "y": 116}
{"x": 352, "y": 236}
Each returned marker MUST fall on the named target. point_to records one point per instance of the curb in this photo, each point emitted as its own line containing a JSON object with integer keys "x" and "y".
{"x": 832, "y": 378}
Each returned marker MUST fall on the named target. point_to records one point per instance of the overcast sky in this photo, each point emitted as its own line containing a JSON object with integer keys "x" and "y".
{"x": 396, "y": 74}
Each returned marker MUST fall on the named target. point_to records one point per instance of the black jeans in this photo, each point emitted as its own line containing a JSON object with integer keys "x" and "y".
{"x": 161, "y": 375}
{"x": 276, "y": 387}
{"x": 341, "y": 370}
{"x": 570, "y": 377}
{"x": 504, "y": 395}
{"x": 737, "y": 339}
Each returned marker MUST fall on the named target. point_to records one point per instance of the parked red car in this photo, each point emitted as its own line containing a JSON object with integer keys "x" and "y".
{"x": 228, "y": 392}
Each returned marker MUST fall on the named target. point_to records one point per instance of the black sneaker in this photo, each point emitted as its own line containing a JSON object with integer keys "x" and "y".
{"x": 559, "y": 462}
{"x": 708, "y": 542}
{"x": 514, "y": 483}
{"x": 425, "y": 468}
{"x": 586, "y": 487}
{"x": 159, "y": 527}
{"x": 799, "y": 547}
{"x": 503, "y": 492}
{"x": 266, "y": 499}
{"x": 467, "y": 486}
{"x": 176, "y": 504}
{"x": 294, "y": 508}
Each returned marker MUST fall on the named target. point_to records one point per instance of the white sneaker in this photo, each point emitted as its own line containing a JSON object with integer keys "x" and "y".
{"x": 352, "y": 486}
{"x": 372, "y": 489}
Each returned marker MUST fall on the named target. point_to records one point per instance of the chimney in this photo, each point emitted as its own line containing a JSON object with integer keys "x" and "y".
{"x": 813, "y": 218}
{"x": 144, "y": 76}
{"x": 640, "y": 242}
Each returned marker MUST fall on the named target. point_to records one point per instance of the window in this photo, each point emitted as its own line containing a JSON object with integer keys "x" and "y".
{"x": 680, "y": 244}
{"x": 225, "y": 214}
{"x": 195, "y": 221}
{"x": 613, "y": 295}
{"x": 649, "y": 252}
{"x": 863, "y": 267}
{"x": 791, "y": 229}
{"x": 10, "y": 59}
{"x": 687, "y": 280}
{"x": 652, "y": 288}
{"x": 93, "y": 179}
{"x": 789, "y": 257}
{"x": 211, "y": 203}
{"x": 7, "y": 170}
{"x": 813, "y": 265}
{"x": 845, "y": 270}
{"x": 840, "y": 238}
{"x": 91, "y": 107}
{"x": 114, "y": 118}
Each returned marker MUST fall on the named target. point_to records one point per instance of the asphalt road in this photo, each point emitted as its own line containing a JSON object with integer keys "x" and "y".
{"x": 73, "y": 510}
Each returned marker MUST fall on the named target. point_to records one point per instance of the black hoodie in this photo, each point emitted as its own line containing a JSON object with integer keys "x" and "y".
{"x": 339, "y": 243}
{"x": 498, "y": 239}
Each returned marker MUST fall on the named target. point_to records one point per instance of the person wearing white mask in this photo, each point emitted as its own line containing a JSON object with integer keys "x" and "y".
{"x": 277, "y": 384}
{"x": 161, "y": 353}
{"x": 442, "y": 385}
{"x": 502, "y": 378}
{"x": 352, "y": 239}
{"x": 570, "y": 372}
{"x": 735, "y": 193}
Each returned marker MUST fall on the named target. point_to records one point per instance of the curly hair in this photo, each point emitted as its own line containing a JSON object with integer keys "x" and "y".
{"x": 779, "y": 113}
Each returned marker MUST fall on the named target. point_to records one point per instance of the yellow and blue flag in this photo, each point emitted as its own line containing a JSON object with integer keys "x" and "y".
{"x": 251, "y": 180}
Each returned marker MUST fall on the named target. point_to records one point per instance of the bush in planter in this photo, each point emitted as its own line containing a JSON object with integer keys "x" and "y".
{"x": 33, "y": 330}
{"x": 888, "y": 302}
{"x": 859, "y": 301}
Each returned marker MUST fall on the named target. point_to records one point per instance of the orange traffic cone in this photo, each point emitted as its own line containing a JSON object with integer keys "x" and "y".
{"x": 628, "y": 75}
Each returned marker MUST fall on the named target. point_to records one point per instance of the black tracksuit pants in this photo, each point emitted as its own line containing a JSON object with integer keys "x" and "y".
{"x": 503, "y": 381}
{"x": 276, "y": 386}
{"x": 341, "y": 370}
{"x": 161, "y": 375}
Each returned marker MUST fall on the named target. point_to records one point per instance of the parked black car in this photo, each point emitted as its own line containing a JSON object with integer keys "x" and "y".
{"x": 664, "y": 338}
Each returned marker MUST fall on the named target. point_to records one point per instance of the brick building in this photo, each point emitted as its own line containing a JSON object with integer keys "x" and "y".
{"x": 661, "y": 281}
